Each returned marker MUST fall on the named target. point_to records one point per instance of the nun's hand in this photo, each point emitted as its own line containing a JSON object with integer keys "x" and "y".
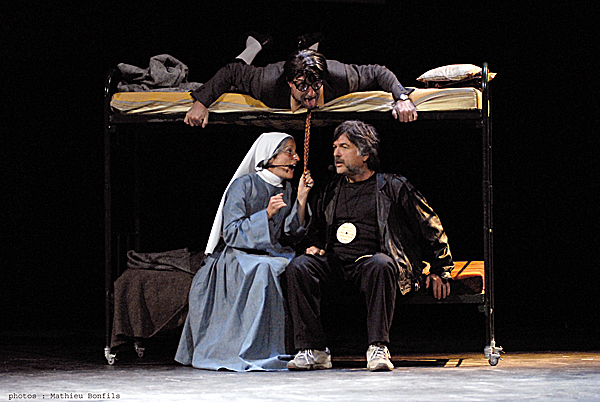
{"x": 275, "y": 204}
{"x": 304, "y": 187}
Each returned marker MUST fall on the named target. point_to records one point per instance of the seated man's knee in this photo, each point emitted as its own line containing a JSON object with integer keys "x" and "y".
{"x": 308, "y": 268}
{"x": 383, "y": 261}
{"x": 300, "y": 265}
{"x": 383, "y": 264}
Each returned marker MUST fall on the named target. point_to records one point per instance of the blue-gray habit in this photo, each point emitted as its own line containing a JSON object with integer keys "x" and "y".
{"x": 236, "y": 316}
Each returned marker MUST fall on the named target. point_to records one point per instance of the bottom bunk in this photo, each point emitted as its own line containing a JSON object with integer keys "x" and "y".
{"x": 151, "y": 296}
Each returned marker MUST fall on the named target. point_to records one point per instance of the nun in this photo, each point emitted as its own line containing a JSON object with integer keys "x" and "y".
{"x": 236, "y": 317}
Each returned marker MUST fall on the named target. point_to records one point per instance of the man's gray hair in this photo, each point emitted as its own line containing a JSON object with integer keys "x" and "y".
{"x": 364, "y": 137}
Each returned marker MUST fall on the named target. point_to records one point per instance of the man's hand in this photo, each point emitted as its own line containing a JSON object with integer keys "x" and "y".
{"x": 197, "y": 115}
{"x": 441, "y": 290}
{"x": 312, "y": 250}
{"x": 405, "y": 111}
{"x": 275, "y": 204}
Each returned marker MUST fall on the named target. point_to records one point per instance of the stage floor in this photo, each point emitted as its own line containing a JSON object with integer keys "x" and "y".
{"x": 58, "y": 368}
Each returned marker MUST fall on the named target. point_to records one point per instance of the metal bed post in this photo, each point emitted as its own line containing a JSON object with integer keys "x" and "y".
{"x": 108, "y": 290}
{"x": 491, "y": 351}
{"x": 137, "y": 226}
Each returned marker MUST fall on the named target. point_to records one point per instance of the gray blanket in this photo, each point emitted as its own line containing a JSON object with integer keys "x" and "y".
{"x": 152, "y": 294}
{"x": 176, "y": 260}
{"x": 165, "y": 73}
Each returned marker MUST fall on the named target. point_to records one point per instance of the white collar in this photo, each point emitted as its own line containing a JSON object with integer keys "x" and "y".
{"x": 270, "y": 178}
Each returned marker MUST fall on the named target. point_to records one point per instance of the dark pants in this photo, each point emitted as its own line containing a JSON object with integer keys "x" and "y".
{"x": 376, "y": 277}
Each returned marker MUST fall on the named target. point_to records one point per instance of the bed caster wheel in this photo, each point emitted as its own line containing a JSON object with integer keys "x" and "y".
{"x": 139, "y": 348}
{"x": 492, "y": 353}
{"x": 111, "y": 358}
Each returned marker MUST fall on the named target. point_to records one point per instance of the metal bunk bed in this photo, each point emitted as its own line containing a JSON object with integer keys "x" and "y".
{"x": 114, "y": 248}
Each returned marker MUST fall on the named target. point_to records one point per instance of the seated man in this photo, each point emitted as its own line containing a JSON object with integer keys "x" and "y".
{"x": 373, "y": 230}
{"x": 306, "y": 79}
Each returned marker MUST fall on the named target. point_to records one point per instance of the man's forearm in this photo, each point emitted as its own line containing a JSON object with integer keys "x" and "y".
{"x": 220, "y": 83}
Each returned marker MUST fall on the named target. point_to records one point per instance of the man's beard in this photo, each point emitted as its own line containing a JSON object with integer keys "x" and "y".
{"x": 351, "y": 170}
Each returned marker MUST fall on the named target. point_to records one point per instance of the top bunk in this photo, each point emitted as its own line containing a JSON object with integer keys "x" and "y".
{"x": 433, "y": 103}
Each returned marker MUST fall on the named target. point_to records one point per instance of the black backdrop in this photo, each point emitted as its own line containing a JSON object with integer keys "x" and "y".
{"x": 545, "y": 143}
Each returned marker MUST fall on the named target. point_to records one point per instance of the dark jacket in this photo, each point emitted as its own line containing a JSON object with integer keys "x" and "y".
{"x": 410, "y": 231}
{"x": 269, "y": 85}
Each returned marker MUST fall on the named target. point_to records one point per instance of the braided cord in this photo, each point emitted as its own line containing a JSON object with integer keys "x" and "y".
{"x": 306, "y": 140}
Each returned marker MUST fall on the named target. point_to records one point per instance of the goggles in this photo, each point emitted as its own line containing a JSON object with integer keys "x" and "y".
{"x": 303, "y": 85}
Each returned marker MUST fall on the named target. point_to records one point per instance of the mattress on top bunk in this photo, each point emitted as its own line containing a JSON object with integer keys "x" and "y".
{"x": 471, "y": 274}
{"x": 431, "y": 99}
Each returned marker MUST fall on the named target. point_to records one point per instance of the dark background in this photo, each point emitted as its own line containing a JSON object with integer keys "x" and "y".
{"x": 545, "y": 147}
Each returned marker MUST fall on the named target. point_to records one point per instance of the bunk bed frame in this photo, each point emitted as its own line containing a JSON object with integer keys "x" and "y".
{"x": 481, "y": 118}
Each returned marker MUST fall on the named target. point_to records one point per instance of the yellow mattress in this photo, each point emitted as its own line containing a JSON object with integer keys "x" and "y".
{"x": 472, "y": 273}
{"x": 431, "y": 99}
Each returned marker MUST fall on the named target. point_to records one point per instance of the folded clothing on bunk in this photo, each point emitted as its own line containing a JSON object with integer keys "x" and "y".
{"x": 165, "y": 73}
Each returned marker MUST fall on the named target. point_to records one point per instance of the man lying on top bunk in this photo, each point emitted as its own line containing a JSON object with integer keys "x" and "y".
{"x": 306, "y": 80}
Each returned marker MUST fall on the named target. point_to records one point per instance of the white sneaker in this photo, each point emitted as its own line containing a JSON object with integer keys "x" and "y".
{"x": 311, "y": 359}
{"x": 378, "y": 358}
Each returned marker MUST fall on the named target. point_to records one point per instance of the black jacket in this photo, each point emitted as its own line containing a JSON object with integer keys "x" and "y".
{"x": 409, "y": 230}
{"x": 269, "y": 85}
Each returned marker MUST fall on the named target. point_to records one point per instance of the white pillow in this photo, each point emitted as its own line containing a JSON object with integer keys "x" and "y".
{"x": 452, "y": 72}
